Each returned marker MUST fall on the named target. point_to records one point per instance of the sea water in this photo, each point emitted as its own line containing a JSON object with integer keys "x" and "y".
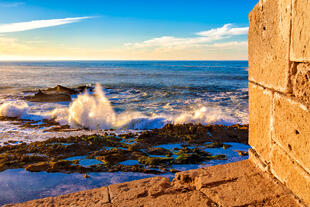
{"x": 129, "y": 96}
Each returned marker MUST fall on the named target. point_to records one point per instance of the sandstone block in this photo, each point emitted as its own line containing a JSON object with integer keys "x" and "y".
{"x": 290, "y": 173}
{"x": 291, "y": 128}
{"x": 301, "y": 83}
{"x": 300, "y": 40}
{"x": 260, "y": 106}
{"x": 269, "y": 38}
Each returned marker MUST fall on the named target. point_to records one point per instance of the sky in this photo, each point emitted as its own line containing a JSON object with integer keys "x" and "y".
{"x": 124, "y": 29}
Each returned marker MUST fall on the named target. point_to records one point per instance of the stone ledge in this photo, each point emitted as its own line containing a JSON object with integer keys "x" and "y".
{"x": 234, "y": 184}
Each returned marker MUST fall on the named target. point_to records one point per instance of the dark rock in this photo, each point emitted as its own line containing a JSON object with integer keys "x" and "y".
{"x": 44, "y": 97}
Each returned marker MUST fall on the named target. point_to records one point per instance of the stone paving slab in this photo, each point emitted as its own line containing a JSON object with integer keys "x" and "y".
{"x": 234, "y": 184}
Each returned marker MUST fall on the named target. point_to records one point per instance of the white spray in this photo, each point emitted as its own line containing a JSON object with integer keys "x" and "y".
{"x": 92, "y": 111}
{"x": 13, "y": 109}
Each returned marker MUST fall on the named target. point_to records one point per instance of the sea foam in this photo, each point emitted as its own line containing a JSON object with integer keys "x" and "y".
{"x": 95, "y": 111}
{"x": 13, "y": 109}
{"x": 204, "y": 115}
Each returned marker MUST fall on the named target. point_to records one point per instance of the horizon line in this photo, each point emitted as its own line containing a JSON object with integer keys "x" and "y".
{"x": 55, "y": 60}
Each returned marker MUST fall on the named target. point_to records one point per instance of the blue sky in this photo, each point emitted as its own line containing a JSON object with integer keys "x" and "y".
{"x": 119, "y": 29}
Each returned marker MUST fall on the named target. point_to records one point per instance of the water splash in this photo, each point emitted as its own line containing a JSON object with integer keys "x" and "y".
{"x": 13, "y": 109}
{"x": 204, "y": 115}
{"x": 92, "y": 111}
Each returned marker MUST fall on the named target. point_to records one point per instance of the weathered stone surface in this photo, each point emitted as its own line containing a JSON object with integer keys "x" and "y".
{"x": 260, "y": 106}
{"x": 300, "y": 50}
{"x": 186, "y": 199}
{"x": 204, "y": 177}
{"x": 280, "y": 201}
{"x": 141, "y": 188}
{"x": 233, "y": 184}
{"x": 290, "y": 173}
{"x": 301, "y": 83}
{"x": 291, "y": 128}
{"x": 269, "y": 43}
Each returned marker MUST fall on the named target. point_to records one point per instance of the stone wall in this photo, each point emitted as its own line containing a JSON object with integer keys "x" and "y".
{"x": 279, "y": 91}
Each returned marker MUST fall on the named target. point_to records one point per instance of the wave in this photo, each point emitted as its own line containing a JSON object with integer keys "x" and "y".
{"x": 205, "y": 116}
{"x": 95, "y": 111}
{"x": 13, "y": 109}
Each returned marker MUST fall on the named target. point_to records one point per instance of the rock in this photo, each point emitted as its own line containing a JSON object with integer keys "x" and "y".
{"x": 154, "y": 161}
{"x": 158, "y": 151}
{"x": 44, "y": 97}
{"x": 60, "y": 90}
{"x": 241, "y": 153}
{"x": 195, "y": 134}
{"x": 37, "y": 167}
{"x": 56, "y": 94}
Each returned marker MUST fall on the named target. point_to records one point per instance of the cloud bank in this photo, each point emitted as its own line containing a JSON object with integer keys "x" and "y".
{"x": 214, "y": 44}
{"x": 24, "y": 26}
{"x": 209, "y": 36}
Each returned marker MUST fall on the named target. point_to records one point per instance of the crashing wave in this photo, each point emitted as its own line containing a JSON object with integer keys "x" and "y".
{"x": 13, "y": 109}
{"x": 94, "y": 111}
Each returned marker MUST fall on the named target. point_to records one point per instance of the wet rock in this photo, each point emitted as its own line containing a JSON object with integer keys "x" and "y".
{"x": 37, "y": 167}
{"x": 241, "y": 153}
{"x": 60, "y": 90}
{"x": 195, "y": 134}
{"x": 191, "y": 156}
{"x": 44, "y": 97}
{"x": 51, "y": 155}
{"x": 158, "y": 151}
{"x": 154, "y": 161}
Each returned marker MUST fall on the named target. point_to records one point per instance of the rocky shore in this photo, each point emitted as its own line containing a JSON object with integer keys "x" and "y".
{"x": 155, "y": 151}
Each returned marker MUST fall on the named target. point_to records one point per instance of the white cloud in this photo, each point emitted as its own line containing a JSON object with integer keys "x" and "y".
{"x": 203, "y": 37}
{"x": 24, "y": 26}
{"x": 226, "y": 30}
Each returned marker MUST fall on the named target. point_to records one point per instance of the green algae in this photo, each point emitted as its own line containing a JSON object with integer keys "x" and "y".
{"x": 111, "y": 150}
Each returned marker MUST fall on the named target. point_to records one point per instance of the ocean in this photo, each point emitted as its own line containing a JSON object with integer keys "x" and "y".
{"x": 129, "y": 96}
{"x": 135, "y": 94}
